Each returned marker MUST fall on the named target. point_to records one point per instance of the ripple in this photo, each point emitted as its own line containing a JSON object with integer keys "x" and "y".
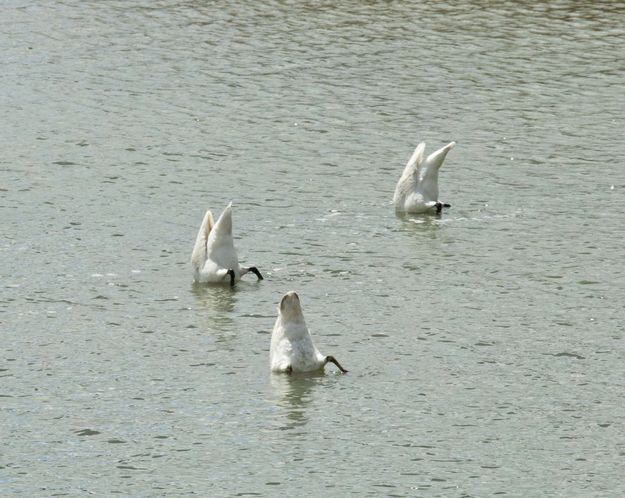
{"x": 569, "y": 355}
{"x": 87, "y": 432}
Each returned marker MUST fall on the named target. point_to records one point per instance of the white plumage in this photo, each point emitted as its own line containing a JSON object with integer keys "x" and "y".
{"x": 292, "y": 349}
{"x": 214, "y": 256}
{"x": 417, "y": 189}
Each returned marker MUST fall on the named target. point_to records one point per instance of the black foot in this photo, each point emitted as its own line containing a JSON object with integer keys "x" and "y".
{"x": 255, "y": 271}
{"x": 440, "y": 206}
{"x": 289, "y": 370}
{"x": 332, "y": 359}
{"x": 231, "y": 273}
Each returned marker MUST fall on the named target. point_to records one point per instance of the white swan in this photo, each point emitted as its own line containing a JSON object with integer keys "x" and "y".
{"x": 214, "y": 257}
{"x": 292, "y": 349}
{"x": 417, "y": 189}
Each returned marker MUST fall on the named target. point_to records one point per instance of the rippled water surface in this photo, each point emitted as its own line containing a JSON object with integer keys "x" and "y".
{"x": 484, "y": 347}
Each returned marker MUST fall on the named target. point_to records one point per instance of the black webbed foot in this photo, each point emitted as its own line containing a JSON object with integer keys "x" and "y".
{"x": 332, "y": 359}
{"x": 440, "y": 206}
{"x": 255, "y": 271}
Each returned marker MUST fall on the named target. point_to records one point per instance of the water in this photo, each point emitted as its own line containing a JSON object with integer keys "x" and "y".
{"x": 484, "y": 347}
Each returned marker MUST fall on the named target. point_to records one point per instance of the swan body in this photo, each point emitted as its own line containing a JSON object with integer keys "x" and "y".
{"x": 292, "y": 349}
{"x": 417, "y": 189}
{"x": 214, "y": 256}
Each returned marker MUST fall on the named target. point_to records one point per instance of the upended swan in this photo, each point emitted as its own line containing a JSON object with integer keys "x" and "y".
{"x": 292, "y": 349}
{"x": 417, "y": 189}
{"x": 214, "y": 257}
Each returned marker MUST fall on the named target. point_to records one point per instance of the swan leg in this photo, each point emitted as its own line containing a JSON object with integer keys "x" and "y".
{"x": 332, "y": 359}
{"x": 254, "y": 270}
{"x": 289, "y": 369}
{"x": 231, "y": 273}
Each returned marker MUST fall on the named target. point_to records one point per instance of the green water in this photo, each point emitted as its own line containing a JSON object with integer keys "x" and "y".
{"x": 484, "y": 347}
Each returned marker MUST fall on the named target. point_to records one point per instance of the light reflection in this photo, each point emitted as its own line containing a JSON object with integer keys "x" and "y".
{"x": 215, "y": 303}
{"x": 293, "y": 395}
{"x": 427, "y": 224}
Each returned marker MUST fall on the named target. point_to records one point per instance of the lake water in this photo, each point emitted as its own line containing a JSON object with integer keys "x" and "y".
{"x": 485, "y": 347}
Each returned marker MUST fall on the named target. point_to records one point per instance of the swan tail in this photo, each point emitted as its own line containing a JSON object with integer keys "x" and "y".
{"x": 409, "y": 176}
{"x": 417, "y": 155}
{"x": 414, "y": 162}
{"x": 223, "y": 226}
{"x": 198, "y": 257}
{"x": 436, "y": 158}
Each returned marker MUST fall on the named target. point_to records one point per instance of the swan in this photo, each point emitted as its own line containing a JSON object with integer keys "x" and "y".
{"x": 292, "y": 349}
{"x": 214, "y": 257}
{"x": 417, "y": 189}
